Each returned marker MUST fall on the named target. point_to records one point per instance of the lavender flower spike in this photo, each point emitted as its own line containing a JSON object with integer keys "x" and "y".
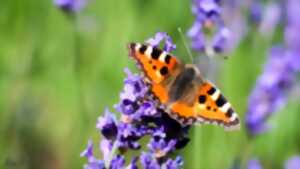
{"x": 140, "y": 116}
{"x": 208, "y": 19}
{"x": 292, "y": 33}
{"x": 269, "y": 94}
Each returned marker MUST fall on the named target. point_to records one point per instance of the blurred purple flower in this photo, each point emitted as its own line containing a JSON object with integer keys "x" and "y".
{"x": 234, "y": 18}
{"x": 208, "y": 17}
{"x": 256, "y": 10}
{"x": 254, "y": 164}
{"x": 269, "y": 94}
{"x": 292, "y": 32}
{"x": 70, "y": 6}
{"x": 141, "y": 115}
{"x": 279, "y": 75}
{"x": 293, "y": 163}
{"x": 270, "y": 19}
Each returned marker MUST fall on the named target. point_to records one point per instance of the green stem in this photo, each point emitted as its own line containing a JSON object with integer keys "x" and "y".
{"x": 78, "y": 71}
{"x": 109, "y": 159}
{"x": 197, "y": 144}
{"x": 246, "y": 153}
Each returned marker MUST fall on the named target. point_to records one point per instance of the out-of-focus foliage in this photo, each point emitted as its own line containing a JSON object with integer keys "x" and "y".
{"x": 50, "y": 98}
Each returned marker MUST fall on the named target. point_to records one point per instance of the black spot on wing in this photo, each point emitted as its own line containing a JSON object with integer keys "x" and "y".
{"x": 168, "y": 59}
{"x": 142, "y": 49}
{"x": 202, "y": 99}
{"x": 211, "y": 91}
{"x": 164, "y": 71}
{"x": 229, "y": 113}
{"x": 155, "y": 53}
{"x": 221, "y": 100}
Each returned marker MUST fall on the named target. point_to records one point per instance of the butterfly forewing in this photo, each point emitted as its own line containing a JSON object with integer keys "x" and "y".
{"x": 156, "y": 64}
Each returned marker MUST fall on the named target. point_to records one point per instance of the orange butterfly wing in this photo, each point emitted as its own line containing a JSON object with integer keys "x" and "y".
{"x": 209, "y": 106}
{"x": 157, "y": 65}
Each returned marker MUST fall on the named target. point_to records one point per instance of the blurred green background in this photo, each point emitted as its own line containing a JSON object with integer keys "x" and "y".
{"x": 51, "y": 93}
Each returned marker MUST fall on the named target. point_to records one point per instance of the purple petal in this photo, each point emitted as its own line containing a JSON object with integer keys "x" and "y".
{"x": 107, "y": 125}
{"x": 148, "y": 161}
{"x": 106, "y": 147}
{"x": 70, "y": 5}
{"x": 117, "y": 162}
{"x": 160, "y": 36}
{"x": 88, "y": 152}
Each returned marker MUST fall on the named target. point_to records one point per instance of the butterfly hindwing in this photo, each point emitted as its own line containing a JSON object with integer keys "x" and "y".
{"x": 210, "y": 106}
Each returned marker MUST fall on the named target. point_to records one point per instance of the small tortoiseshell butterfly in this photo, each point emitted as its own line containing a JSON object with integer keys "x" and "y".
{"x": 187, "y": 96}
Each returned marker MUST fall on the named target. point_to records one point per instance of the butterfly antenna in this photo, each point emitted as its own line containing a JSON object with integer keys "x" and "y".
{"x": 185, "y": 45}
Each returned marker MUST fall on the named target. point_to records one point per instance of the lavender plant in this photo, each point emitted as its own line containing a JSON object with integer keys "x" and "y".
{"x": 209, "y": 34}
{"x": 141, "y": 117}
{"x": 273, "y": 85}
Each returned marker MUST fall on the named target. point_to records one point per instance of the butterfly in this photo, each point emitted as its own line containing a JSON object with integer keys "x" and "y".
{"x": 179, "y": 87}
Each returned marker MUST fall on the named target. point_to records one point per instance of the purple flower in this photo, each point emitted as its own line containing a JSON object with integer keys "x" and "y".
{"x": 160, "y": 147}
{"x": 93, "y": 163}
{"x": 254, "y": 164}
{"x": 293, "y": 163}
{"x": 148, "y": 161}
{"x": 270, "y": 19}
{"x": 106, "y": 148}
{"x": 70, "y": 5}
{"x": 292, "y": 33}
{"x": 256, "y": 9}
{"x": 174, "y": 164}
{"x": 270, "y": 92}
{"x": 208, "y": 19}
{"x": 160, "y": 36}
{"x": 88, "y": 152}
{"x": 107, "y": 125}
{"x": 140, "y": 115}
{"x": 117, "y": 162}
{"x": 133, "y": 164}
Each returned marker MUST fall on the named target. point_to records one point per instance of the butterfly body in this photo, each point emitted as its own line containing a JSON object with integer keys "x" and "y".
{"x": 187, "y": 96}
